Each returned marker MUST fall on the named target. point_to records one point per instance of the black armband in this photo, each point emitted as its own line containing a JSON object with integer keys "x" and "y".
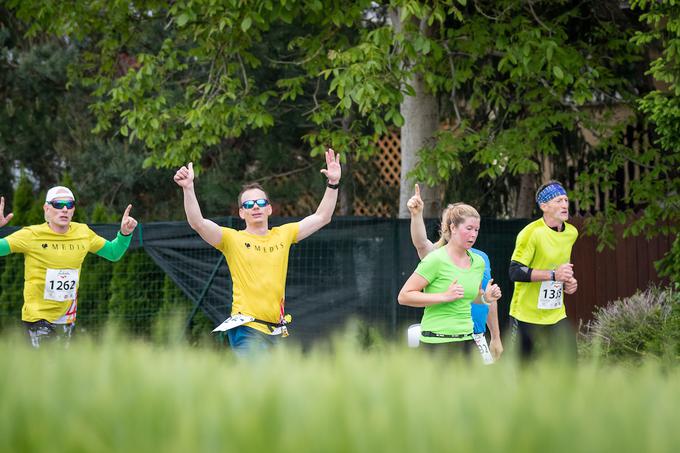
{"x": 518, "y": 272}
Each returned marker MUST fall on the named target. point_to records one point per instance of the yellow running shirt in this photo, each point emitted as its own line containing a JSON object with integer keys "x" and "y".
{"x": 52, "y": 263}
{"x": 258, "y": 267}
{"x": 540, "y": 247}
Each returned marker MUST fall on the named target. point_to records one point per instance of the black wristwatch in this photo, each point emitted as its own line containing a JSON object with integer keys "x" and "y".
{"x": 333, "y": 186}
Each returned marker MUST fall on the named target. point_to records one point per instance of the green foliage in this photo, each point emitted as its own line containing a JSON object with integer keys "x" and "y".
{"x": 172, "y": 316}
{"x": 669, "y": 265}
{"x": 132, "y": 304}
{"x": 520, "y": 77}
{"x": 11, "y": 290}
{"x": 659, "y": 191}
{"x": 45, "y": 127}
{"x": 644, "y": 325}
{"x": 102, "y": 214}
{"x": 27, "y": 211}
{"x": 133, "y": 396}
{"x": 23, "y": 202}
{"x": 211, "y": 72}
{"x": 94, "y": 293}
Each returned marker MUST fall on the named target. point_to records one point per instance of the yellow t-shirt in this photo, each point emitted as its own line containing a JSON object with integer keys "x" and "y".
{"x": 540, "y": 247}
{"x": 258, "y": 266}
{"x": 52, "y": 263}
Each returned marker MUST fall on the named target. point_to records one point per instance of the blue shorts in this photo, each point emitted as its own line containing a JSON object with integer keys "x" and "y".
{"x": 245, "y": 340}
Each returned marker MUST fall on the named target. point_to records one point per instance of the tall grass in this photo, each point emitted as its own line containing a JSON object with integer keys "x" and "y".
{"x": 116, "y": 395}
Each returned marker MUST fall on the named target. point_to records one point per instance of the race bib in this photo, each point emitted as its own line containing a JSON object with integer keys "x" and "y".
{"x": 550, "y": 295}
{"x": 61, "y": 284}
{"x": 483, "y": 348}
{"x": 233, "y": 321}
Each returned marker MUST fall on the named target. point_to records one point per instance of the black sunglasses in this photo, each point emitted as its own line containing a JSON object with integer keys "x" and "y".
{"x": 250, "y": 204}
{"x": 61, "y": 204}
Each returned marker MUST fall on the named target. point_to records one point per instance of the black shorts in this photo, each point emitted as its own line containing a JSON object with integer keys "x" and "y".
{"x": 551, "y": 340}
{"x": 451, "y": 349}
{"x": 43, "y": 331}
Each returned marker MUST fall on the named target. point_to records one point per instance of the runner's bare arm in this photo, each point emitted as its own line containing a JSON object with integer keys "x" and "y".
{"x": 322, "y": 217}
{"x": 207, "y": 229}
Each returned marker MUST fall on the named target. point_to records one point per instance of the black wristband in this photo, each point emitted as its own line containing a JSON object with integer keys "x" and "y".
{"x": 333, "y": 186}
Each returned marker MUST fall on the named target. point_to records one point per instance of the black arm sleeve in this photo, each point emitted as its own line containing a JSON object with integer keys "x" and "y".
{"x": 518, "y": 272}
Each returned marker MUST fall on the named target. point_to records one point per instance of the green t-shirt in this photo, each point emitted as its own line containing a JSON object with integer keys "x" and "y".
{"x": 540, "y": 247}
{"x": 450, "y": 318}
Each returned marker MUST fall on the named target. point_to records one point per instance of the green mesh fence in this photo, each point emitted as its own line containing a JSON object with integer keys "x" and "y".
{"x": 351, "y": 269}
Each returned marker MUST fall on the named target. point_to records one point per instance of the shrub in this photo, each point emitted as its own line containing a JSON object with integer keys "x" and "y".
{"x": 646, "y": 324}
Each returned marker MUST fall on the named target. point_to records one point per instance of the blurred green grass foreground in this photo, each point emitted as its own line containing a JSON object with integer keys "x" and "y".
{"x": 116, "y": 394}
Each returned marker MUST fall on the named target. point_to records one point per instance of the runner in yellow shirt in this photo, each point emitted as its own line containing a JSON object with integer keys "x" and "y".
{"x": 541, "y": 269}
{"x": 53, "y": 255}
{"x": 258, "y": 256}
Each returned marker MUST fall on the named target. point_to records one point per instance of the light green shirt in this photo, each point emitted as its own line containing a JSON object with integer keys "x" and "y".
{"x": 450, "y": 318}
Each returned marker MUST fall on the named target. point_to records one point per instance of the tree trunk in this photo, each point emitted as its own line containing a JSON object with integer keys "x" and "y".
{"x": 525, "y": 197}
{"x": 421, "y": 121}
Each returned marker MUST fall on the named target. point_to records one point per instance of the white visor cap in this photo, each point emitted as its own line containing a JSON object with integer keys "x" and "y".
{"x": 59, "y": 192}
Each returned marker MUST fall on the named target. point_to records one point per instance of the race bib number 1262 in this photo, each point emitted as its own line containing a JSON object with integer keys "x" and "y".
{"x": 61, "y": 284}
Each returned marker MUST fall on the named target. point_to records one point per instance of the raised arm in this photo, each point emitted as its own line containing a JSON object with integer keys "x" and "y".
{"x": 127, "y": 223}
{"x": 207, "y": 229}
{"x": 114, "y": 250}
{"x": 322, "y": 217}
{"x": 418, "y": 233}
{"x": 4, "y": 220}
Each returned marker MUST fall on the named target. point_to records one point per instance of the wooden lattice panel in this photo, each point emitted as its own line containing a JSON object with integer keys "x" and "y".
{"x": 389, "y": 159}
{"x": 388, "y": 165}
{"x": 305, "y": 206}
{"x": 367, "y": 209}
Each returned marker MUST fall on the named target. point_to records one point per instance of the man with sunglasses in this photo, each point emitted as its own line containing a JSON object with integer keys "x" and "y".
{"x": 258, "y": 256}
{"x": 54, "y": 252}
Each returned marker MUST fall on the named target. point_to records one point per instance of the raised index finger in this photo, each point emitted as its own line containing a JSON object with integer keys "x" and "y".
{"x": 417, "y": 191}
{"x": 127, "y": 210}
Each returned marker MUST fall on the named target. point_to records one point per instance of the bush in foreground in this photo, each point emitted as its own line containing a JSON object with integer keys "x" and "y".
{"x": 647, "y": 324}
{"x": 116, "y": 395}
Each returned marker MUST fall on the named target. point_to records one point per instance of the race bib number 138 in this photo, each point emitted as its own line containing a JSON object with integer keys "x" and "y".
{"x": 550, "y": 295}
{"x": 61, "y": 284}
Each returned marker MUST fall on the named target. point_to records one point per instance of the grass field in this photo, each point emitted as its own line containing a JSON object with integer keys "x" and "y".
{"x": 118, "y": 395}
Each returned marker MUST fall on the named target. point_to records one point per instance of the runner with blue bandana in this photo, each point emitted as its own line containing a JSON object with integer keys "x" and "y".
{"x": 541, "y": 269}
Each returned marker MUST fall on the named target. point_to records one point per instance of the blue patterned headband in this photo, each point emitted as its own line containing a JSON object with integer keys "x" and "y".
{"x": 549, "y": 192}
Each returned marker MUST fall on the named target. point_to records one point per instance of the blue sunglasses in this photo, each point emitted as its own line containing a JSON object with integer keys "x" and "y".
{"x": 250, "y": 204}
{"x": 61, "y": 204}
